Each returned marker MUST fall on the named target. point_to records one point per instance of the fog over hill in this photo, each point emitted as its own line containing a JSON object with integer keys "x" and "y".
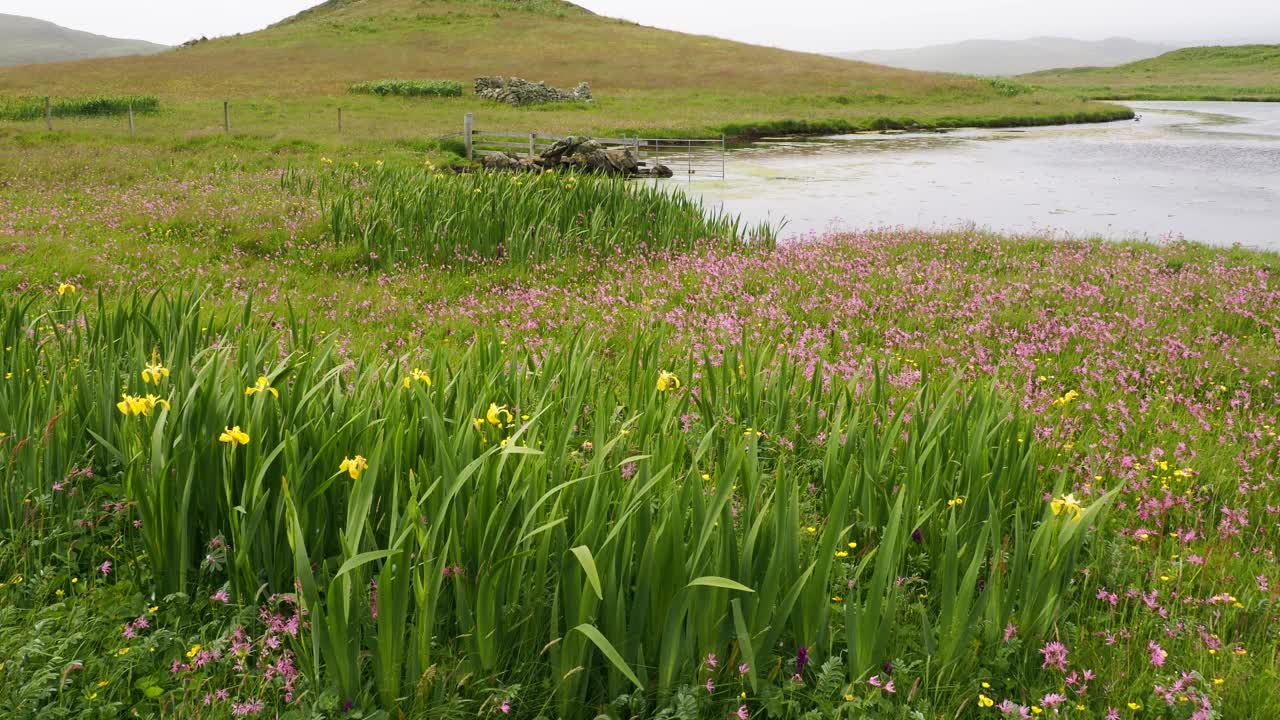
{"x": 26, "y": 41}
{"x": 1013, "y": 57}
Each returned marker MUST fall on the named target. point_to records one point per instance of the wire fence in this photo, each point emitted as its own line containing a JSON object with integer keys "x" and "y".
{"x": 687, "y": 158}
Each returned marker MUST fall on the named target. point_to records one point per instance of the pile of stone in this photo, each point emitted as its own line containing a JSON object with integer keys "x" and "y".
{"x": 578, "y": 154}
{"x": 517, "y": 91}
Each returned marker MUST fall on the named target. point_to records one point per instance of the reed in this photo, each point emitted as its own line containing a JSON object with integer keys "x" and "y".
{"x": 414, "y": 215}
{"x": 33, "y": 108}
{"x": 548, "y": 515}
{"x": 409, "y": 88}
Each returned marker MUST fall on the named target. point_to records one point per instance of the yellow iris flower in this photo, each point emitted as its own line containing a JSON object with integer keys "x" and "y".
{"x": 1067, "y": 503}
{"x": 354, "y": 466}
{"x": 262, "y": 385}
{"x": 154, "y": 373}
{"x": 134, "y": 405}
{"x": 497, "y": 414}
{"x": 668, "y": 381}
{"x": 1066, "y": 399}
{"x": 417, "y": 376}
{"x": 234, "y": 436}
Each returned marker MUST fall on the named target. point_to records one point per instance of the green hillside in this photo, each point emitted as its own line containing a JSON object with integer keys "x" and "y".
{"x": 288, "y": 79}
{"x": 1243, "y": 72}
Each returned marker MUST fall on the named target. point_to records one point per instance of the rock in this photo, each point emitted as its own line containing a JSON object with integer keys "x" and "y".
{"x": 518, "y": 91}
{"x": 500, "y": 161}
{"x": 578, "y": 154}
{"x": 623, "y": 160}
{"x": 510, "y": 162}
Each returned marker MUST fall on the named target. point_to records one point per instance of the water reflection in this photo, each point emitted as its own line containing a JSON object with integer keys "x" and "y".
{"x": 1205, "y": 171}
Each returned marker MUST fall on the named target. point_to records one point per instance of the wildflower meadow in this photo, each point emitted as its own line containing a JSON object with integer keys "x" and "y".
{"x": 320, "y": 442}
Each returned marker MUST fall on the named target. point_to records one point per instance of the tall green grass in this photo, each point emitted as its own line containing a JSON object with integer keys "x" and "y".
{"x": 409, "y": 88}
{"x": 418, "y": 215}
{"x": 32, "y": 108}
{"x": 549, "y": 518}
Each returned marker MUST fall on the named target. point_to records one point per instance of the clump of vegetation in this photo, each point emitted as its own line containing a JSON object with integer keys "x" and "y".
{"x": 409, "y": 88}
{"x": 419, "y": 214}
{"x": 1009, "y": 88}
{"x": 32, "y": 108}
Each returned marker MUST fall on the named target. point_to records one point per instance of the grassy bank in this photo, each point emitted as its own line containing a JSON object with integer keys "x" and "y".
{"x": 686, "y": 480}
{"x": 1239, "y": 73}
{"x": 288, "y": 81}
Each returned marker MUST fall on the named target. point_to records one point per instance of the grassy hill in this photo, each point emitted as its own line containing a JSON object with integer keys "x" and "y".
{"x": 25, "y": 40}
{"x": 288, "y": 79}
{"x": 1243, "y": 72}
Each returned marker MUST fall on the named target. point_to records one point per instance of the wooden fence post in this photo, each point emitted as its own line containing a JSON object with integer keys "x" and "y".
{"x": 48, "y": 114}
{"x": 533, "y": 138}
{"x": 339, "y": 121}
{"x": 467, "y": 121}
{"x": 130, "y": 121}
{"x": 226, "y": 116}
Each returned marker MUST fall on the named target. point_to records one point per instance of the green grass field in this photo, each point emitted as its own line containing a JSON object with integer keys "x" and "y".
{"x": 1246, "y": 72}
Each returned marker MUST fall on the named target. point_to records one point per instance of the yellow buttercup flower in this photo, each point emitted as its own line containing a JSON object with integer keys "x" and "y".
{"x": 64, "y": 288}
{"x": 154, "y": 373}
{"x": 1135, "y": 706}
{"x": 984, "y": 701}
{"x": 668, "y": 381}
{"x": 262, "y": 385}
{"x": 192, "y": 652}
{"x": 234, "y": 436}
{"x": 955, "y": 502}
{"x": 354, "y": 466}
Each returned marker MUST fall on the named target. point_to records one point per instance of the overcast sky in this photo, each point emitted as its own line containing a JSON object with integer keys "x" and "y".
{"x": 815, "y": 25}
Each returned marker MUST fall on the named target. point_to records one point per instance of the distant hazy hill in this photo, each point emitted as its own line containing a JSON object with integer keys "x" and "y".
{"x": 1012, "y": 57}
{"x": 25, "y": 41}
